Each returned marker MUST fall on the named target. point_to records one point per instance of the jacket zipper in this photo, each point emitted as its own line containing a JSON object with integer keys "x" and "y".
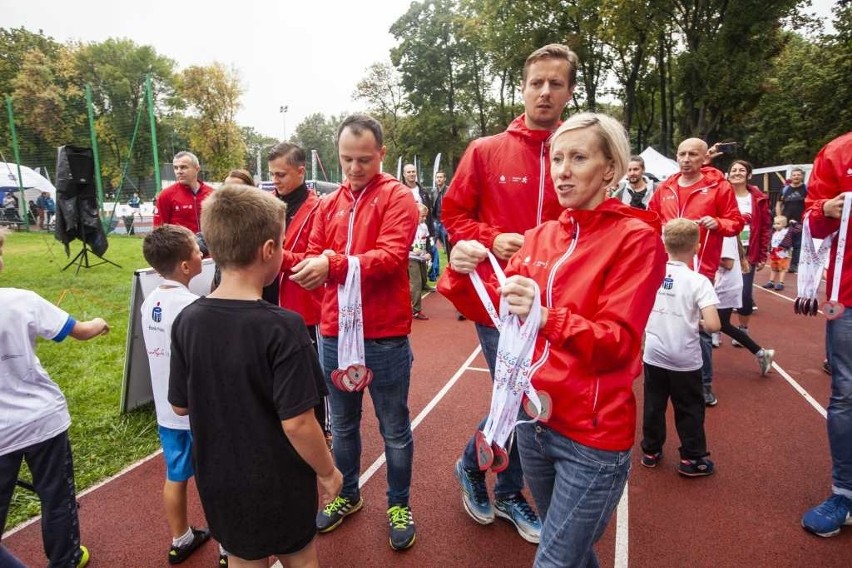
{"x": 541, "y": 174}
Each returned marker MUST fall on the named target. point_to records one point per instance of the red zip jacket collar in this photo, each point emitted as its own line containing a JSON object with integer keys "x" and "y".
{"x": 502, "y": 185}
{"x": 376, "y": 224}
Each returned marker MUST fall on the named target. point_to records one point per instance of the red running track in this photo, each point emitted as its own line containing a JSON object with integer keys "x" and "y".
{"x": 768, "y": 441}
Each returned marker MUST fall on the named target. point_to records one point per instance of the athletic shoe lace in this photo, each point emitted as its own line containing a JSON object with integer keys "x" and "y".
{"x": 336, "y": 505}
{"x": 477, "y": 484}
{"x": 835, "y": 506}
{"x": 400, "y": 517}
{"x": 520, "y": 504}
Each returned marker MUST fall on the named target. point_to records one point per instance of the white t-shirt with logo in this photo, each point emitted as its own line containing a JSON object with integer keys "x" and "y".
{"x": 671, "y": 336}
{"x": 729, "y": 283}
{"x": 744, "y": 205}
{"x": 32, "y": 408}
{"x": 159, "y": 311}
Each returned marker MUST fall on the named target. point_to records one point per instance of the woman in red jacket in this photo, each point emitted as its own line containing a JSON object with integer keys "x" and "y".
{"x": 754, "y": 207}
{"x": 598, "y": 267}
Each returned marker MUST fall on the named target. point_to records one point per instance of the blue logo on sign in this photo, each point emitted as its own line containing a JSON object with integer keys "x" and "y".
{"x": 668, "y": 283}
{"x": 157, "y": 313}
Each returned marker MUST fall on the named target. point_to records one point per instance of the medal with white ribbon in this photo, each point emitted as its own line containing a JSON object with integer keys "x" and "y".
{"x": 352, "y": 374}
{"x": 511, "y": 374}
{"x": 811, "y": 265}
{"x": 833, "y": 308}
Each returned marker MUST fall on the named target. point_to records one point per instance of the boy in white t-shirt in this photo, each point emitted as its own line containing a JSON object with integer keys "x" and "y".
{"x": 34, "y": 421}
{"x": 418, "y": 258}
{"x": 672, "y": 357}
{"x": 173, "y": 252}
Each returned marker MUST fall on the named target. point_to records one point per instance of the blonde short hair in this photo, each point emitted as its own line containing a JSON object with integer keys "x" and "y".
{"x": 680, "y": 236}
{"x": 781, "y": 219}
{"x": 610, "y": 134}
{"x": 236, "y": 220}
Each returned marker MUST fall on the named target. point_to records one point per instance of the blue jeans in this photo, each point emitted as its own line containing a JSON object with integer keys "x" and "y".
{"x": 839, "y": 342}
{"x": 390, "y": 360}
{"x": 706, "y": 357}
{"x": 576, "y": 489}
{"x": 511, "y": 480}
{"x": 52, "y": 468}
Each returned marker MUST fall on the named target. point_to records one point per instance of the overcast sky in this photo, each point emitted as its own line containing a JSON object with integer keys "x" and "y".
{"x": 307, "y": 54}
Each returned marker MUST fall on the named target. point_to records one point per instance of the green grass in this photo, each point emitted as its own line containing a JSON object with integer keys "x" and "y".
{"x": 90, "y": 373}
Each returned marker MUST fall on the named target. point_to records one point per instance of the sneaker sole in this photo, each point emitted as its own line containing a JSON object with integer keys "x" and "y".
{"x": 698, "y": 474}
{"x": 823, "y": 535}
{"x": 354, "y": 509}
{"x": 533, "y": 539}
{"x": 471, "y": 514}
{"x": 406, "y": 547}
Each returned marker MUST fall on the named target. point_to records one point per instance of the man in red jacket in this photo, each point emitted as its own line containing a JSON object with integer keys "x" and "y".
{"x": 372, "y": 217}
{"x": 501, "y": 189}
{"x": 180, "y": 203}
{"x": 286, "y": 163}
{"x": 699, "y": 192}
{"x": 830, "y": 184}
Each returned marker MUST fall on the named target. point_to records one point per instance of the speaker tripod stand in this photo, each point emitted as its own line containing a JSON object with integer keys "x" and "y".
{"x": 82, "y": 258}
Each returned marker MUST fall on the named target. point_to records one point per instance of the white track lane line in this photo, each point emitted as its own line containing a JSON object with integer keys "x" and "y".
{"x": 370, "y": 471}
{"x": 622, "y": 533}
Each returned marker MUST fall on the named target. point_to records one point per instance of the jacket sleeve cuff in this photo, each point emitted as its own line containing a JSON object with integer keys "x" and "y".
{"x": 338, "y": 268}
{"x": 556, "y": 318}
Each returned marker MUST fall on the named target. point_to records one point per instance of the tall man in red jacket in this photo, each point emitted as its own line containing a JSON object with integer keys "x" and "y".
{"x": 699, "y": 192}
{"x": 372, "y": 217}
{"x": 501, "y": 189}
{"x": 830, "y": 183}
{"x": 180, "y": 203}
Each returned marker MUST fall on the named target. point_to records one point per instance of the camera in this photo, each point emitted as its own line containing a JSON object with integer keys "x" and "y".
{"x": 726, "y": 147}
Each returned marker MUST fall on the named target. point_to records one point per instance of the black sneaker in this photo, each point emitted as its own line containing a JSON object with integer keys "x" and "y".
{"x": 696, "y": 468}
{"x": 401, "y": 527}
{"x": 651, "y": 460}
{"x": 333, "y": 514}
{"x": 178, "y": 554}
{"x": 223, "y": 561}
{"x": 826, "y": 368}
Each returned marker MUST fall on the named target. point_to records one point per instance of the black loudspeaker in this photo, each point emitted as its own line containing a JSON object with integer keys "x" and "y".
{"x": 75, "y": 171}
{"x": 77, "y": 211}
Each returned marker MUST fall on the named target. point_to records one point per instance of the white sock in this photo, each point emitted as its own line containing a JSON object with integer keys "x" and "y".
{"x": 222, "y": 551}
{"x": 184, "y": 540}
{"x": 760, "y": 353}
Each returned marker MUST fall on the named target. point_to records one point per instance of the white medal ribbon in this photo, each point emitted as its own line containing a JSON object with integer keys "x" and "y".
{"x": 350, "y": 318}
{"x": 811, "y": 262}
{"x": 514, "y": 361}
{"x": 841, "y": 246}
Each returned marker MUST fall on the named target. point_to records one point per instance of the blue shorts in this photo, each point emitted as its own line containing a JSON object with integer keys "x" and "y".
{"x": 177, "y": 450}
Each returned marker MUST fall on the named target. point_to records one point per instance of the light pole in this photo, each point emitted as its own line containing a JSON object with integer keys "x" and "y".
{"x": 283, "y": 111}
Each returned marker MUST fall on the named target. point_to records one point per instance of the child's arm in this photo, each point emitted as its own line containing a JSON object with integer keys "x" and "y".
{"x": 710, "y": 319}
{"x": 305, "y": 434}
{"x": 84, "y": 330}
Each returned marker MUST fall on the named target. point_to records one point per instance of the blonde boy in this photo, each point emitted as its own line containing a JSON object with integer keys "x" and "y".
{"x": 672, "y": 356}
{"x": 246, "y": 373}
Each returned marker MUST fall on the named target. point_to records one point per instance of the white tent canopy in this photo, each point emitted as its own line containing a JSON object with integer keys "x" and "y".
{"x": 33, "y": 182}
{"x": 657, "y": 164}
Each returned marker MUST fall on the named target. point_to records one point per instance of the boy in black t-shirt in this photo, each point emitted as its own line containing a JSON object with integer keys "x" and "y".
{"x": 246, "y": 373}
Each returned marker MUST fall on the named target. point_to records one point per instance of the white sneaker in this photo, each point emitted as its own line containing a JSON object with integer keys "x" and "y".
{"x": 716, "y": 339}
{"x": 764, "y": 360}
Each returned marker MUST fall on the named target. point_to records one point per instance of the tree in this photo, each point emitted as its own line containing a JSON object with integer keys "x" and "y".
{"x": 213, "y": 96}
{"x": 383, "y": 91}
{"x": 316, "y": 132}
{"x": 256, "y": 145}
{"x": 117, "y": 70}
